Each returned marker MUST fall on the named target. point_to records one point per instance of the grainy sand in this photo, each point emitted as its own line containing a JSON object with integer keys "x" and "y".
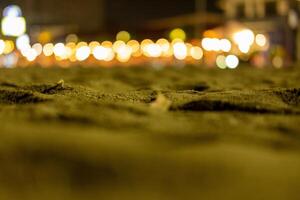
{"x": 142, "y": 134}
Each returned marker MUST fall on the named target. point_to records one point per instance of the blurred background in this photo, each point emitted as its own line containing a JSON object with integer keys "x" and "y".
{"x": 159, "y": 33}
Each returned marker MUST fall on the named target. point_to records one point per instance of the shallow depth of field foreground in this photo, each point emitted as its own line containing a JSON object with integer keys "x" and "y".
{"x": 145, "y": 134}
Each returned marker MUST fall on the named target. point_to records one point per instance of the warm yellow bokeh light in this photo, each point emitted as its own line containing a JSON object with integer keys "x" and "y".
{"x": 82, "y": 53}
{"x": 9, "y": 47}
{"x": 93, "y": 45}
{"x": 103, "y": 53}
{"x": 261, "y": 40}
{"x": 72, "y": 38}
{"x": 277, "y": 62}
{"x": 81, "y": 44}
{"x": 123, "y": 36}
{"x": 48, "y": 49}
{"x": 107, "y": 44}
{"x": 110, "y": 56}
{"x": 124, "y": 53}
{"x": 180, "y": 50}
{"x": 38, "y": 48}
{"x": 164, "y": 44}
{"x": 221, "y": 62}
{"x": 145, "y": 43}
{"x": 59, "y": 50}
{"x": 2, "y": 46}
{"x": 73, "y": 58}
{"x": 117, "y": 45}
{"x": 178, "y": 33}
{"x": 211, "y": 44}
{"x": 196, "y": 53}
{"x": 69, "y": 52}
{"x": 152, "y": 50}
{"x": 134, "y": 45}
{"x": 71, "y": 45}
{"x": 165, "y": 47}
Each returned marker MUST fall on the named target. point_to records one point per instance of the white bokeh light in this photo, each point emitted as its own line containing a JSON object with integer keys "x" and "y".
{"x": 23, "y": 42}
{"x": 232, "y": 61}
{"x": 12, "y": 11}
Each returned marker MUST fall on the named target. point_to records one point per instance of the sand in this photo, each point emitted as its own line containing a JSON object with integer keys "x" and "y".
{"x": 146, "y": 134}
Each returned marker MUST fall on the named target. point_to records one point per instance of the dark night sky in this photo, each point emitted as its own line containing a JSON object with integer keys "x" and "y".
{"x": 118, "y": 14}
{"x": 133, "y": 12}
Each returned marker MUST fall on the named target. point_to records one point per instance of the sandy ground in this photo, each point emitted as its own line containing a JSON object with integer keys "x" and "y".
{"x": 149, "y": 134}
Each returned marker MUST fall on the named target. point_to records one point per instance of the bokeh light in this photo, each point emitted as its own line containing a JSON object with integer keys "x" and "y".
{"x": 145, "y": 43}
{"x": 107, "y": 44}
{"x": 232, "y": 61}
{"x": 153, "y": 50}
{"x": 93, "y": 45}
{"x": 82, "y": 53}
{"x": 72, "y": 38}
{"x": 9, "y": 47}
{"x": 221, "y": 61}
{"x": 196, "y": 53}
{"x": 124, "y": 53}
{"x": 244, "y": 39}
{"x": 81, "y": 44}
{"x": 103, "y": 53}
{"x": 48, "y": 49}
{"x": 23, "y": 42}
{"x": 225, "y": 45}
{"x": 277, "y": 62}
{"x": 117, "y": 45}
{"x": 2, "y": 46}
{"x": 12, "y": 11}
{"x": 134, "y": 45}
{"x": 261, "y": 40}
{"x": 244, "y": 36}
{"x": 13, "y": 26}
{"x": 178, "y": 33}
{"x": 59, "y": 50}
{"x": 180, "y": 50}
{"x": 38, "y": 48}
{"x": 123, "y": 36}
{"x": 30, "y": 54}
{"x": 213, "y": 44}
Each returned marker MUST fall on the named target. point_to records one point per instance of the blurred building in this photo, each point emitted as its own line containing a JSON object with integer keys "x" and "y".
{"x": 254, "y": 8}
{"x": 277, "y": 18}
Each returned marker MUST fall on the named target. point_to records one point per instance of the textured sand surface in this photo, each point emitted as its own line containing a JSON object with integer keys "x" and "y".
{"x": 149, "y": 135}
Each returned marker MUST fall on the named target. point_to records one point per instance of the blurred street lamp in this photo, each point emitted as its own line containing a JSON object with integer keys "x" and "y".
{"x": 13, "y": 24}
